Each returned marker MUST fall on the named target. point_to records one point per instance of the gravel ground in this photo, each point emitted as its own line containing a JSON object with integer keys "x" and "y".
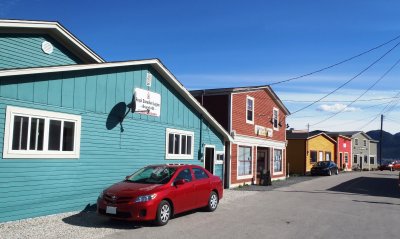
{"x": 86, "y": 225}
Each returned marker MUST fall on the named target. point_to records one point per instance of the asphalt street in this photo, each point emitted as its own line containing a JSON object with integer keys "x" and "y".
{"x": 351, "y": 205}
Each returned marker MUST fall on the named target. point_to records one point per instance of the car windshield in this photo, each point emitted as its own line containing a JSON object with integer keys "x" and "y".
{"x": 152, "y": 175}
{"x": 322, "y": 164}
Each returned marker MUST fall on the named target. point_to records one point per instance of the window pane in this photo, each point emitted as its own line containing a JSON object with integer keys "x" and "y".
{"x": 36, "y": 134}
{"x": 249, "y": 110}
{"x": 277, "y": 160}
{"x": 313, "y": 156}
{"x": 54, "y": 134}
{"x": 183, "y": 144}
{"x": 16, "y": 132}
{"x": 245, "y": 161}
{"x": 176, "y": 149}
{"x": 189, "y": 145}
{"x": 171, "y": 143}
{"x": 68, "y": 136}
{"x": 41, "y": 135}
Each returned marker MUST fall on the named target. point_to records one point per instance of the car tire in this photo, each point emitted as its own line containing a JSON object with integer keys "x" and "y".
{"x": 329, "y": 172}
{"x": 164, "y": 213}
{"x": 337, "y": 172}
{"x": 212, "y": 202}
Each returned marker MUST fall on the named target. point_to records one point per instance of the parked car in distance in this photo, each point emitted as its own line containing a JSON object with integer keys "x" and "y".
{"x": 324, "y": 168}
{"x": 157, "y": 192}
{"x": 394, "y": 165}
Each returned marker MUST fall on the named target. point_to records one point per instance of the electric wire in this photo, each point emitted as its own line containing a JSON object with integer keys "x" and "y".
{"x": 336, "y": 64}
{"x": 341, "y": 101}
{"x": 365, "y": 92}
{"x": 347, "y": 82}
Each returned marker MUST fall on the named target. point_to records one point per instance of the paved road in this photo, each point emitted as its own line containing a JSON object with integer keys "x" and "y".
{"x": 351, "y": 205}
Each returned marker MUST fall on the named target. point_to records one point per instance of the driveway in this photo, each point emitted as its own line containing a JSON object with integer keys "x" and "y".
{"x": 351, "y": 205}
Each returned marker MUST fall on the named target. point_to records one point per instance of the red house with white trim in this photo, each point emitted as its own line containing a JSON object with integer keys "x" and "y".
{"x": 343, "y": 150}
{"x": 256, "y": 119}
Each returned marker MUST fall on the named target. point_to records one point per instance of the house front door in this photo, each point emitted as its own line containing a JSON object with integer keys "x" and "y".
{"x": 262, "y": 164}
{"x": 209, "y": 157}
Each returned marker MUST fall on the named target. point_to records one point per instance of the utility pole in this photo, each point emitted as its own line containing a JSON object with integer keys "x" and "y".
{"x": 381, "y": 142}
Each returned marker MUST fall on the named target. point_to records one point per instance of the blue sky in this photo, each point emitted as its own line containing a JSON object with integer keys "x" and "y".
{"x": 211, "y": 44}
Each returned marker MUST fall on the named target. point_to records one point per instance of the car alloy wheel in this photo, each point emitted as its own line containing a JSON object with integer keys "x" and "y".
{"x": 212, "y": 202}
{"x": 329, "y": 172}
{"x": 163, "y": 213}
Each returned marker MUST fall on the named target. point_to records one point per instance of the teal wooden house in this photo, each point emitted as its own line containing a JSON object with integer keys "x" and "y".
{"x": 72, "y": 124}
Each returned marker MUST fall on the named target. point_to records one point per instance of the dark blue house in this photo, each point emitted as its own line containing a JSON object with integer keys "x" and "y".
{"x": 72, "y": 124}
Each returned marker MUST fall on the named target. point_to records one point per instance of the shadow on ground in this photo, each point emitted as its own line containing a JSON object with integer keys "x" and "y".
{"x": 89, "y": 218}
{"x": 380, "y": 187}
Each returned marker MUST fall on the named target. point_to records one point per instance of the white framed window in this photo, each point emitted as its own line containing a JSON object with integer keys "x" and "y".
{"x": 179, "y": 144}
{"x": 365, "y": 143}
{"x": 245, "y": 162}
{"x": 356, "y": 141}
{"x": 346, "y": 157}
{"x": 275, "y": 119}
{"x": 328, "y": 156}
{"x": 31, "y": 133}
{"x": 220, "y": 157}
{"x": 278, "y": 160}
{"x": 249, "y": 110}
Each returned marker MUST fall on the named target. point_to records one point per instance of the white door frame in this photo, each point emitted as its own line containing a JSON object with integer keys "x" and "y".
{"x": 214, "y": 156}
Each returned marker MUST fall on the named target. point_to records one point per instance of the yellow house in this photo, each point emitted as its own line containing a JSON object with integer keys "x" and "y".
{"x": 306, "y": 148}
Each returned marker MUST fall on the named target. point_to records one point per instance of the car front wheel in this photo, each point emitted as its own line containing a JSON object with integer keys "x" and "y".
{"x": 163, "y": 213}
{"x": 337, "y": 171}
{"x": 212, "y": 202}
{"x": 329, "y": 172}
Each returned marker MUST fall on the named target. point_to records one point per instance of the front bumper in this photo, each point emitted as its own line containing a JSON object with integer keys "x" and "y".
{"x": 145, "y": 211}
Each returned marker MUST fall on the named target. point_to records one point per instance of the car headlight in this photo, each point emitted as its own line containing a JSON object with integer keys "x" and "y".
{"x": 145, "y": 198}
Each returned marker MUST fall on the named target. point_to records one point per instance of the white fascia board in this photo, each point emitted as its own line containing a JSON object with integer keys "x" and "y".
{"x": 52, "y": 26}
{"x": 153, "y": 62}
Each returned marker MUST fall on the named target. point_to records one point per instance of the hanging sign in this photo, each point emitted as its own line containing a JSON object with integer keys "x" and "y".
{"x": 147, "y": 102}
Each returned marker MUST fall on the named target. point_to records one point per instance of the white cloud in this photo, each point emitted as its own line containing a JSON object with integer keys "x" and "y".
{"x": 336, "y": 108}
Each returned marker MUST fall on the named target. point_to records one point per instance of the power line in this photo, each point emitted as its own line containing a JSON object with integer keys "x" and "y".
{"x": 365, "y": 92}
{"x": 354, "y": 77}
{"x": 398, "y": 94}
{"x": 363, "y": 108}
{"x": 336, "y": 64}
{"x": 341, "y": 101}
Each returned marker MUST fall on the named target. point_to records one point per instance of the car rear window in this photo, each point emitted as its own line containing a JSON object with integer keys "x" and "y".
{"x": 199, "y": 173}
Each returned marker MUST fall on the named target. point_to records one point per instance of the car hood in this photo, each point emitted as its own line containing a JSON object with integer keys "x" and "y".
{"x": 129, "y": 188}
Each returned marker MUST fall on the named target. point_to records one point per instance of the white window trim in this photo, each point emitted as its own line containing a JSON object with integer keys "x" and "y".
{"x": 250, "y": 176}
{"x": 277, "y": 116}
{"x": 365, "y": 143}
{"x": 344, "y": 157}
{"x": 273, "y": 162}
{"x": 247, "y": 101}
{"x": 8, "y": 153}
{"x": 216, "y": 157}
{"x": 178, "y": 156}
{"x": 356, "y": 141}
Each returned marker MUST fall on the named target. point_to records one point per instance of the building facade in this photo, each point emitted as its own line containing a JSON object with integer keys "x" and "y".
{"x": 72, "y": 124}
{"x": 304, "y": 149}
{"x": 343, "y": 149}
{"x": 256, "y": 119}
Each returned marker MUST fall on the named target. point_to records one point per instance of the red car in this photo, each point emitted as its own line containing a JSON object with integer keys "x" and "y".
{"x": 395, "y": 165}
{"x": 157, "y": 192}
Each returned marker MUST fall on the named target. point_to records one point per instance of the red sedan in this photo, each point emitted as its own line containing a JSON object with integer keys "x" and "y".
{"x": 157, "y": 192}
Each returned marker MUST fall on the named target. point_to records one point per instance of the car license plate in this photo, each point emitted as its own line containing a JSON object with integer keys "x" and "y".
{"x": 111, "y": 210}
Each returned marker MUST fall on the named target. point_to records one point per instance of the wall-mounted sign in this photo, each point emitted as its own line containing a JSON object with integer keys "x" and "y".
{"x": 263, "y": 131}
{"x": 149, "y": 78}
{"x": 147, "y": 102}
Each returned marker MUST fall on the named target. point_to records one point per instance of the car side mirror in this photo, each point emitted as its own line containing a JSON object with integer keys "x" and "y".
{"x": 180, "y": 182}
{"x": 127, "y": 177}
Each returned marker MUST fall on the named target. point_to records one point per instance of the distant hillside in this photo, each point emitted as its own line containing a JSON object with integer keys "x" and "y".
{"x": 390, "y": 146}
